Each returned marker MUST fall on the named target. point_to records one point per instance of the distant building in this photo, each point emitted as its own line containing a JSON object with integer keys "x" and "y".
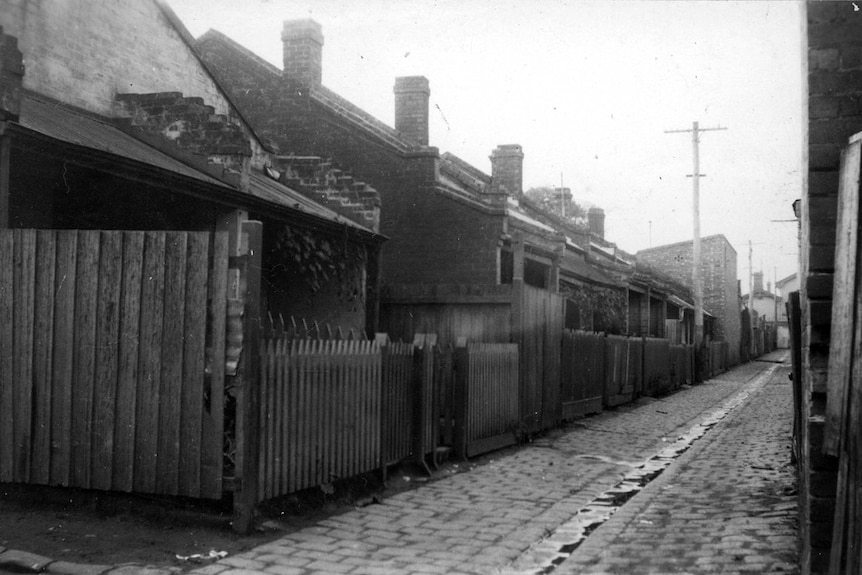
{"x": 720, "y": 290}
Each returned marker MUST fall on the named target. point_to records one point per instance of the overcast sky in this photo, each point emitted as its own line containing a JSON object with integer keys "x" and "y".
{"x": 588, "y": 89}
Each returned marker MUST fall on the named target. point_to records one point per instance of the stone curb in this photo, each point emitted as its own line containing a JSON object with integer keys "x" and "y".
{"x": 15, "y": 561}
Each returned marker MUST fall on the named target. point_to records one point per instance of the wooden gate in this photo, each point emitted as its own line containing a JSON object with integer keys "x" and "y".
{"x": 623, "y": 369}
{"x": 487, "y": 397}
{"x": 583, "y": 373}
{"x": 541, "y": 321}
{"x": 106, "y": 377}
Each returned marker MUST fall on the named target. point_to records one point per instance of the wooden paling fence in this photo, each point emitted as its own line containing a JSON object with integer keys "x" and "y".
{"x": 487, "y": 388}
{"x": 399, "y": 399}
{"x": 717, "y": 355}
{"x": 104, "y": 356}
{"x": 656, "y": 367}
{"x": 320, "y": 412}
{"x": 583, "y": 373}
{"x": 682, "y": 365}
{"x": 623, "y": 369}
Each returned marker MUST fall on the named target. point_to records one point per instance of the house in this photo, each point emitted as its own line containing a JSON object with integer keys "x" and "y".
{"x": 765, "y": 304}
{"x": 144, "y": 232}
{"x": 787, "y": 285}
{"x": 769, "y": 312}
{"x": 449, "y": 222}
{"x": 720, "y": 289}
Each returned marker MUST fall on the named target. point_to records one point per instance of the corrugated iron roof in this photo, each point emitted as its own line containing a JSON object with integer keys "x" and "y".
{"x": 62, "y": 123}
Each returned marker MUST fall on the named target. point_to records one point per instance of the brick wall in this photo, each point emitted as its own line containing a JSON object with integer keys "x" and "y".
{"x": 718, "y": 269}
{"x": 434, "y": 238}
{"x": 834, "y": 107}
{"x": 136, "y": 48}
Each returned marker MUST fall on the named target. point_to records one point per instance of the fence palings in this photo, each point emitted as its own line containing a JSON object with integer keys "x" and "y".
{"x": 320, "y": 414}
{"x": 656, "y": 367}
{"x": 623, "y": 369}
{"x": 488, "y": 410}
{"x": 102, "y": 364}
{"x": 583, "y": 373}
{"x": 681, "y": 365}
{"x": 398, "y": 401}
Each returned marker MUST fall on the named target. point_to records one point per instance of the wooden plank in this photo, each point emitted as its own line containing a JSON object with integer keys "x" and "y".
{"x": 107, "y": 342}
{"x": 171, "y": 381}
{"x": 149, "y": 363}
{"x": 63, "y": 360}
{"x": 24, "y": 285}
{"x": 213, "y": 420}
{"x": 843, "y": 301}
{"x": 194, "y": 356}
{"x": 86, "y": 296}
{"x": 248, "y": 405}
{"x": 43, "y": 351}
{"x": 127, "y": 367}
{"x": 7, "y": 396}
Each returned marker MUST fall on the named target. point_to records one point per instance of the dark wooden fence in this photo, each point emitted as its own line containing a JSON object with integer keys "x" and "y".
{"x": 582, "y": 373}
{"x": 623, "y": 369}
{"x": 539, "y": 332}
{"x": 657, "y": 367}
{"x": 106, "y": 379}
{"x": 716, "y": 358}
{"x": 487, "y": 416}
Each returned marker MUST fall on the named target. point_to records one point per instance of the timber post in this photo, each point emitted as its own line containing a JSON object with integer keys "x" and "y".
{"x": 248, "y": 388}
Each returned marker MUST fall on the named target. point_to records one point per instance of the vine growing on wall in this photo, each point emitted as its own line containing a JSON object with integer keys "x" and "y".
{"x": 604, "y": 307}
{"x": 318, "y": 260}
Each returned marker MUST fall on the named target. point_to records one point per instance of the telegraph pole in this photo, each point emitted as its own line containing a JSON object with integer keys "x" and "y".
{"x": 696, "y": 277}
{"x": 750, "y": 301}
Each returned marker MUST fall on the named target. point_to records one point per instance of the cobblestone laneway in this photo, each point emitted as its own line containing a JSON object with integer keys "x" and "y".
{"x": 727, "y": 506}
{"x": 491, "y": 518}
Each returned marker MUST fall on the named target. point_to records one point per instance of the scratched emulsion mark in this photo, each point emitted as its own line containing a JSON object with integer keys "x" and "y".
{"x": 544, "y": 556}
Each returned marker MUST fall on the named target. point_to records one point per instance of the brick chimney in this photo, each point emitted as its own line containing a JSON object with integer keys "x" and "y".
{"x": 596, "y": 218}
{"x": 507, "y": 170}
{"x": 302, "y": 42}
{"x": 11, "y": 77}
{"x": 758, "y": 282}
{"x": 411, "y": 108}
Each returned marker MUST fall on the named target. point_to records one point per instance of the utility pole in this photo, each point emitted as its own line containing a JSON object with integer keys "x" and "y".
{"x": 750, "y": 301}
{"x": 696, "y": 276}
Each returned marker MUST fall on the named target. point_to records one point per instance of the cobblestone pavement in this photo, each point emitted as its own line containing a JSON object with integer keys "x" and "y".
{"x": 726, "y": 506}
{"x": 489, "y": 520}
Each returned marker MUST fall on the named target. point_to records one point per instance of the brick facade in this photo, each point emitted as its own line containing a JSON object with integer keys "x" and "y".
{"x": 720, "y": 290}
{"x": 437, "y": 235}
{"x": 834, "y": 94}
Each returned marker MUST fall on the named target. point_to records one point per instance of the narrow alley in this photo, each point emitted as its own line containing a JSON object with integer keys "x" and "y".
{"x": 725, "y": 504}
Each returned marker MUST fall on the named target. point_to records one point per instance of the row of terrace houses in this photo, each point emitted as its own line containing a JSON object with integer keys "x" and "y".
{"x": 448, "y": 223}
{"x": 160, "y": 195}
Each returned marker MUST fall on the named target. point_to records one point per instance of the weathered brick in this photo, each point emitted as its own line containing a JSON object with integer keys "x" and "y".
{"x": 823, "y": 183}
{"x": 823, "y": 59}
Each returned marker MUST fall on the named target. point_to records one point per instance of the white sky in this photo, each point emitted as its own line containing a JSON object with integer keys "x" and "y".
{"x": 588, "y": 89}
